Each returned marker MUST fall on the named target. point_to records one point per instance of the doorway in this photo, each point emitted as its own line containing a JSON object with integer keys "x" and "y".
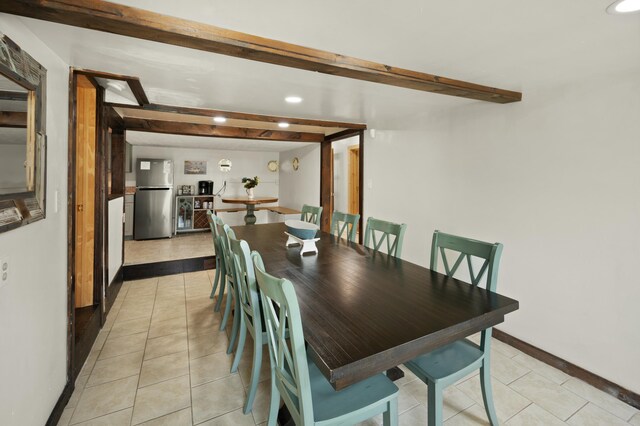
{"x": 353, "y": 172}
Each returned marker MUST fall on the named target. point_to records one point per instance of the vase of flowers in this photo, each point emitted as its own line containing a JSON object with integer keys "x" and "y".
{"x": 249, "y": 184}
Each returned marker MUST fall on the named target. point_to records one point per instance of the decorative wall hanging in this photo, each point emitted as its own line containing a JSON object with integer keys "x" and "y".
{"x": 195, "y": 167}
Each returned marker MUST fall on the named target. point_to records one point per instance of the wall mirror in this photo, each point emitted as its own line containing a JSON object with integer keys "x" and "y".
{"x": 22, "y": 137}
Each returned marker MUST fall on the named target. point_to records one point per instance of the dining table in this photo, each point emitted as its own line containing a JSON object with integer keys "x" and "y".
{"x": 364, "y": 312}
{"x": 250, "y": 203}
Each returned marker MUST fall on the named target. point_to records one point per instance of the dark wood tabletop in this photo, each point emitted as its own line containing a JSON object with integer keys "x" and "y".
{"x": 364, "y": 312}
{"x": 247, "y": 200}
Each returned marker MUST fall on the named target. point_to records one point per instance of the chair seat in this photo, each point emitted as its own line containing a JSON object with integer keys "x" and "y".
{"x": 329, "y": 403}
{"x": 445, "y": 361}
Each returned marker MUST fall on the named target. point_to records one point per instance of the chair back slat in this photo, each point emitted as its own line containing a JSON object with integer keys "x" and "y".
{"x": 341, "y": 222}
{"x": 245, "y": 281}
{"x": 224, "y": 246}
{"x": 290, "y": 370}
{"x": 311, "y": 214}
{"x": 380, "y": 231}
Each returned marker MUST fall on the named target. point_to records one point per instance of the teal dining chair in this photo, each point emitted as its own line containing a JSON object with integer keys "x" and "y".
{"x": 218, "y": 257}
{"x": 379, "y": 231}
{"x": 296, "y": 379}
{"x": 232, "y": 292}
{"x": 250, "y": 315}
{"x": 341, "y": 222}
{"x": 448, "y": 364}
{"x": 311, "y": 214}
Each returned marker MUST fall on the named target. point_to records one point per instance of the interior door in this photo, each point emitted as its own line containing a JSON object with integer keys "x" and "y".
{"x": 354, "y": 180}
{"x": 85, "y": 192}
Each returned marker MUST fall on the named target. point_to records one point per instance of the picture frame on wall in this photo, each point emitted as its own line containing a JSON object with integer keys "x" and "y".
{"x": 195, "y": 167}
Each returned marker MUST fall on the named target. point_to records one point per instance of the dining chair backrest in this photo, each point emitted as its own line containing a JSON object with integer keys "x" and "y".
{"x": 246, "y": 282}
{"x": 386, "y": 230}
{"x": 341, "y": 222}
{"x": 311, "y": 214}
{"x": 289, "y": 366}
{"x": 467, "y": 248}
{"x": 224, "y": 246}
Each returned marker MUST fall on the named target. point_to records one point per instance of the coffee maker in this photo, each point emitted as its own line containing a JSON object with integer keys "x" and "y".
{"x": 205, "y": 187}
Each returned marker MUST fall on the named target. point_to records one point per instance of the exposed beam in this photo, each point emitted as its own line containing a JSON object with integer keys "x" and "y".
{"x": 348, "y": 133}
{"x": 192, "y": 129}
{"x": 133, "y": 22}
{"x": 10, "y": 95}
{"x": 241, "y": 115}
{"x": 133, "y": 82}
{"x": 13, "y": 119}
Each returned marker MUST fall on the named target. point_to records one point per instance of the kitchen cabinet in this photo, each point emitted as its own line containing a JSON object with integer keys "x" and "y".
{"x": 128, "y": 215}
{"x": 191, "y": 212}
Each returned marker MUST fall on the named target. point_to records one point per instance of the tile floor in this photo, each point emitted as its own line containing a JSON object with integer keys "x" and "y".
{"x": 181, "y": 246}
{"x": 160, "y": 360}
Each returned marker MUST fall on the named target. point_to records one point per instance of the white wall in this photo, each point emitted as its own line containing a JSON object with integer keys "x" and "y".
{"x": 555, "y": 178}
{"x": 301, "y": 186}
{"x": 116, "y": 210}
{"x": 33, "y": 306}
{"x": 341, "y": 173}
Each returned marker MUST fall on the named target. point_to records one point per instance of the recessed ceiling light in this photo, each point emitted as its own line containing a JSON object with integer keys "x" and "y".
{"x": 624, "y": 6}
{"x": 219, "y": 119}
{"x": 283, "y": 124}
{"x": 293, "y": 99}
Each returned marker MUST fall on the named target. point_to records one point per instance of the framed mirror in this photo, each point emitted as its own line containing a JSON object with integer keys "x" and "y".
{"x": 22, "y": 137}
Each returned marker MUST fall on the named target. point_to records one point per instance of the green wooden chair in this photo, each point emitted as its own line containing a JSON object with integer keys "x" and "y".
{"x": 311, "y": 214}
{"x": 218, "y": 252}
{"x": 232, "y": 293}
{"x": 448, "y": 364}
{"x": 341, "y": 222}
{"x": 386, "y": 230}
{"x": 296, "y": 379}
{"x": 250, "y": 315}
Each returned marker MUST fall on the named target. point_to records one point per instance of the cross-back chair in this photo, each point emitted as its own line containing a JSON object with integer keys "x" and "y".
{"x": 380, "y": 231}
{"x": 345, "y": 222}
{"x": 311, "y": 214}
{"x": 448, "y": 364}
{"x": 218, "y": 278}
{"x": 232, "y": 293}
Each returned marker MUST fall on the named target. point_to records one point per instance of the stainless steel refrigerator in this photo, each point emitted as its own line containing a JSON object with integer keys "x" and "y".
{"x": 154, "y": 198}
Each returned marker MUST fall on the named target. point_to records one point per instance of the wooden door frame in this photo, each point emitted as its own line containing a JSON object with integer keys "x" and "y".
{"x": 352, "y": 150}
{"x": 326, "y": 178}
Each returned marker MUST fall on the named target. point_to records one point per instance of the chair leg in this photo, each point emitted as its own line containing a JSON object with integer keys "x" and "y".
{"x": 434, "y": 409}
{"x": 487, "y": 393}
{"x": 390, "y": 417}
{"x": 255, "y": 375}
{"x": 274, "y": 405}
{"x": 240, "y": 349}
{"x": 227, "y": 309}
{"x": 216, "y": 279}
{"x": 223, "y": 281}
{"x": 236, "y": 326}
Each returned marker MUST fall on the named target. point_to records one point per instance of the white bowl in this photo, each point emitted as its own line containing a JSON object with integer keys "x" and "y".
{"x": 301, "y": 229}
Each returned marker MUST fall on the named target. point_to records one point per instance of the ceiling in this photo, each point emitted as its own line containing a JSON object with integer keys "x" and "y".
{"x": 514, "y": 45}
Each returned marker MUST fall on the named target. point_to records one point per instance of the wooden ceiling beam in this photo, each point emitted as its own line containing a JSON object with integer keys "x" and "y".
{"x": 13, "y": 119}
{"x": 193, "y": 129}
{"x": 138, "y": 23}
{"x": 202, "y": 112}
{"x": 133, "y": 82}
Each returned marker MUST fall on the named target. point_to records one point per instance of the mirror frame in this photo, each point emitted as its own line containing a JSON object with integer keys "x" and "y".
{"x": 19, "y": 66}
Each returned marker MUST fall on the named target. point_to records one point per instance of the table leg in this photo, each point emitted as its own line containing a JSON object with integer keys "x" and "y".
{"x": 250, "y": 217}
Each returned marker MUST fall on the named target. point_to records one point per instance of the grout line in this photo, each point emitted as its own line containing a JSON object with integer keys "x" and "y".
{"x": 576, "y": 412}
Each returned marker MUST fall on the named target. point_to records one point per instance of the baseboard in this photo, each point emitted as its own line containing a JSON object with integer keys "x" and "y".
{"x": 158, "y": 269}
{"x": 617, "y": 391}
{"x": 56, "y": 413}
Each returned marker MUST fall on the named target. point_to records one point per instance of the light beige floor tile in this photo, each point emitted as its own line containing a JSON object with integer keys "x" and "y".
{"x": 533, "y": 415}
{"x": 506, "y": 350}
{"x": 406, "y": 398}
{"x": 90, "y": 362}
{"x": 118, "y": 367}
{"x": 541, "y": 368}
{"x": 81, "y": 382}
{"x": 416, "y": 416}
{"x": 455, "y": 400}
{"x": 161, "y": 399}
{"x": 234, "y": 418}
{"x": 507, "y": 402}
{"x": 635, "y": 420}
{"x": 600, "y": 398}
{"x": 143, "y": 311}
{"x": 210, "y": 367}
{"x": 100, "y": 339}
{"x": 214, "y": 399}
{"x": 166, "y": 327}
{"x": 104, "y": 399}
{"x": 592, "y": 415}
{"x": 115, "y": 346}
{"x": 472, "y": 416}
{"x": 168, "y": 312}
{"x": 548, "y": 395}
{"x": 65, "y": 418}
{"x": 165, "y": 345}
{"x": 126, "y": 328}
{"x": 163, "y": 368}
{"x": 408, "y": 376}
{"x": 505, "y": 369}
{"x": 261, "y": 402}
{"x": 179, "y": 418}
{"x": 119, "y": 418}
{"x": 207, "y": 343}
{"x": 246, "y": 364}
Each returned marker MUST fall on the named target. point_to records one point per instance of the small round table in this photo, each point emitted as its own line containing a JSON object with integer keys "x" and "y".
{"x": 250, "y": 217}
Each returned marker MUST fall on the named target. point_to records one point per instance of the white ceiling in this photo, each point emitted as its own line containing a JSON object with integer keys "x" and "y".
{"x": 510, "y": 44}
